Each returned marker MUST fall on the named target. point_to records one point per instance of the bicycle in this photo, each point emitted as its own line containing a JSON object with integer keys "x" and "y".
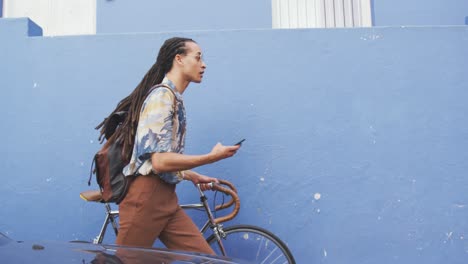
{"x": 247, "y": 242}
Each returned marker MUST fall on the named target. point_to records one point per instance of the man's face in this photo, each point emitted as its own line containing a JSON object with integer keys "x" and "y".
{"x": 194, "y": 66}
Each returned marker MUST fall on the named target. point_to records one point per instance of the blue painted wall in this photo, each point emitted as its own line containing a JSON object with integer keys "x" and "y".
{"x": 18, "y": 28}
{"x": 356, "y": 138}
{"x": 420, "y": 12}
{"x": 116, "y": 16}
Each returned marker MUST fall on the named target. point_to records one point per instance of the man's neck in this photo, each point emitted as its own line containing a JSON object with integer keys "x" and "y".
{"x": 179, "y": 82}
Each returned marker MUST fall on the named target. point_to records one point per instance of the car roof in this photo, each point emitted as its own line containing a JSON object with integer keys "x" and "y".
{"x": 52, "y": 252}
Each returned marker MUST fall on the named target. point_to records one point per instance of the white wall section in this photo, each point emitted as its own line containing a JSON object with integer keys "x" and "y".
{"x": 321, "y": 13}
{"x": 56, "y": 17}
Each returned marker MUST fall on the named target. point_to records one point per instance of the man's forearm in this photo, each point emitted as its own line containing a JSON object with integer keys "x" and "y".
{"x": 167, "y": 162}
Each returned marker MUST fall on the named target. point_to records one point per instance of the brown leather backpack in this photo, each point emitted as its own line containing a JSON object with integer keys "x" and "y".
{"x": 108, "y": 163}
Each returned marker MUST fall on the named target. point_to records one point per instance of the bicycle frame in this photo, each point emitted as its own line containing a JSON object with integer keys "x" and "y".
{"x": 111, "y": 216}
{"x": 213, "y": 223}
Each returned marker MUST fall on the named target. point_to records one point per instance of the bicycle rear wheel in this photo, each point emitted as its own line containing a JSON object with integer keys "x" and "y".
{"x": 254, "y": 244}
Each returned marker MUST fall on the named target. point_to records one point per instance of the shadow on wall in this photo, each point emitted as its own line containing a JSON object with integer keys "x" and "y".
{"x": 466, "y": 20}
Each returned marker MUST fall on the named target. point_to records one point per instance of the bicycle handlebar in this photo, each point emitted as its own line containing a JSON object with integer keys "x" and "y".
{"x": 232, "y": 191}
{"x": 230, "y": 202}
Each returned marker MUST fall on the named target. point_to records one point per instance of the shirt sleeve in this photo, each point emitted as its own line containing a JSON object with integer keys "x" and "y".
{"x": 155, "y": 124}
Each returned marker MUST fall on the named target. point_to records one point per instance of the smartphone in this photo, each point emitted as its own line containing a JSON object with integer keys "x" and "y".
{"x": 240, "y": 142}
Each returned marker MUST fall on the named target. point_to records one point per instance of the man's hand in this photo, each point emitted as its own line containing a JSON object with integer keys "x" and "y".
{"x": 220, "y": 152}
{"x": 198, "y": 178}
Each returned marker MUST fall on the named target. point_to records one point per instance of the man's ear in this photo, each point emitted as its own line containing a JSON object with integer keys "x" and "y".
{"x": 178, "y": 59}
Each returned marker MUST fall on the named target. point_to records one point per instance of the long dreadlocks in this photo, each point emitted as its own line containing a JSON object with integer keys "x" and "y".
{"x": 132, "y": 103}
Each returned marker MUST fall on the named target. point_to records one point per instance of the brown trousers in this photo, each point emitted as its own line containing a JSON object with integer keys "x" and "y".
{"x": 150, "y": 210}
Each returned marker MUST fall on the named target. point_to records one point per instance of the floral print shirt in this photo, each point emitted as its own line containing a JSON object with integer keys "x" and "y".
{"x": 159, "y": 131}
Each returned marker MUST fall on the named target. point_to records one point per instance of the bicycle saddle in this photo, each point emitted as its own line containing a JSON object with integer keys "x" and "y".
{"x": 91, "y": 196}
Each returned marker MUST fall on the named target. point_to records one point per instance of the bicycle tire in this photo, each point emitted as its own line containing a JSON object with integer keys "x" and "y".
{"x": 254, "y": 244}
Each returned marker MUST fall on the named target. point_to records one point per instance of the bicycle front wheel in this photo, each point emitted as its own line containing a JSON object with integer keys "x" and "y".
{"x": 254, "y": 244}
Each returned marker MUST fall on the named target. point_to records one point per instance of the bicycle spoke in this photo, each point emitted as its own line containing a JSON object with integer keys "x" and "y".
{"x": 258, "y": 251}
{"x": 269, "y": 255}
